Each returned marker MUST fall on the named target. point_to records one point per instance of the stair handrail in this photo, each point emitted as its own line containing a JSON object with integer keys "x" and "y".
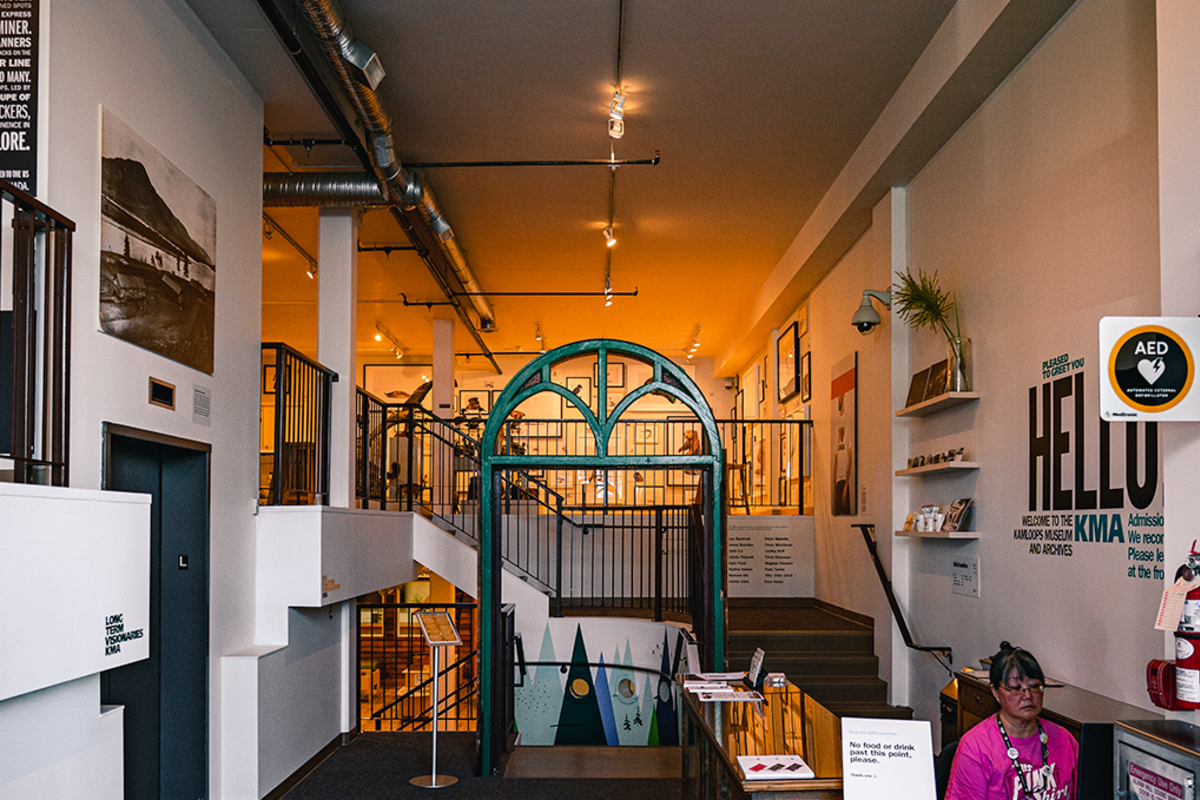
{"x": 868, "y": 531}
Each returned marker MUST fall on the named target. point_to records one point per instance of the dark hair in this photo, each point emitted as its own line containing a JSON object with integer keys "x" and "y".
{"x": 1013, "y": 659}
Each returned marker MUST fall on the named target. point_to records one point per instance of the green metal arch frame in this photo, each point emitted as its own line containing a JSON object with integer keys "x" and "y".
{"x": 535, "y": 378}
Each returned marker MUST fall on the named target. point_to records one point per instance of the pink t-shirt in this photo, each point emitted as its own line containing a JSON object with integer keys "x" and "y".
{"x": 982, "y": 769}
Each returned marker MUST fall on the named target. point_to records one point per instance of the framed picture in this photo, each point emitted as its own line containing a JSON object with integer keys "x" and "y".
{"x": 645, "y": 436}
{"x": 762, "y": 381}
{"x": 614, "y": 396}
{"x": 581, "y": 388}
{"x": 268, "y": 379}
{"x": 806, "y": 377}
{"x": 750, "y": 393}
{"x": 787, "y": 349}
{"x": 616, "y": 374}
{"x": 475, "y": 403}
{"x": 844, "y": 430}
{"x": 916, "y": 388}
{"x": 395, "y": 383}
{"x": 937, "y": 380}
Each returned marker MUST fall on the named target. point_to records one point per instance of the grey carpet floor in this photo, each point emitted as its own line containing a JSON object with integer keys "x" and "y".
{"x": 378, "y": 766}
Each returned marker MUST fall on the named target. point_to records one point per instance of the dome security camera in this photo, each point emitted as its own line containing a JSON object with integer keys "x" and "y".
{"x": 866, "y": 317}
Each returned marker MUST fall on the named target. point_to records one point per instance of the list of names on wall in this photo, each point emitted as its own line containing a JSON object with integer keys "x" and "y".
{"x": 761, "y": 561}
{"x": 18, "y": 93}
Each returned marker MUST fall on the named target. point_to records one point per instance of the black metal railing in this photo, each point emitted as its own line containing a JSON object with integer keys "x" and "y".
{"x": 628, "y": 557}
{"x": 411, "y": 460}
{"x": 395, "y": 664}
{"x": 767, "y": 462}
{"x": 294, "y": 437}
{"x": 35, "y": 342}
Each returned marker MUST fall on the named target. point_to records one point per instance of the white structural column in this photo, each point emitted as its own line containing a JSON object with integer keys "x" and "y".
{"x": 890, "y": 222}
{"x": 443, "y": 406}
{"x": 1179, "y": 253}
{"x": 337, "y": 323}
{"x": 443, "y": 368}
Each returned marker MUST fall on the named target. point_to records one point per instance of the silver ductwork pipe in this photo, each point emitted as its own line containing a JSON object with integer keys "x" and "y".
{"x": 322, "y": 189}
{"x": 397, "y": 185}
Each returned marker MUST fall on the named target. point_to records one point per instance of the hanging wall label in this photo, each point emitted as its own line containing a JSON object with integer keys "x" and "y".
{"x": 1150, "y": 368}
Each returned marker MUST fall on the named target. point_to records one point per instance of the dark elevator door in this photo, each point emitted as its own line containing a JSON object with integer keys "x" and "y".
{"x": 166, "y": 695}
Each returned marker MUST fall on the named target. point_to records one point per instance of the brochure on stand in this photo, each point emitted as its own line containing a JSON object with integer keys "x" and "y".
{"x": 776, "y": 768}
{"x": 729, "y": 696}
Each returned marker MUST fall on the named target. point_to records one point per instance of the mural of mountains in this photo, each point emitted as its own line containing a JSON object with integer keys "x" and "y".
{"x": 143, "y": 211}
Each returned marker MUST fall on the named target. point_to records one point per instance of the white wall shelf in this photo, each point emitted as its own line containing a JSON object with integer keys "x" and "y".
{"x": 940, "y": 534}
{"x": 939, "y": 403}
{"x": 933, "y": 469}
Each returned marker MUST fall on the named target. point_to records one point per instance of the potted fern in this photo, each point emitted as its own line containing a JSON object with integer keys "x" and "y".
{"x": 921, "y": 303}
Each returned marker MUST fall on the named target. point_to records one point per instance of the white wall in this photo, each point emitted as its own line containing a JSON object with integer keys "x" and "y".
{"x": 60, "y": 743}
{"x": 1040, "y": 214}
{"x": 152, "y": 64}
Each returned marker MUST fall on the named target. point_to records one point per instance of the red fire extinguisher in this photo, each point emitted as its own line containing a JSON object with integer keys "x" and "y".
{"x": 1187, "y": 639}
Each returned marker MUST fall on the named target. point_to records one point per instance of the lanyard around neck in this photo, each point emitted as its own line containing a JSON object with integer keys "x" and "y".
{"x": 1012, "y": 754}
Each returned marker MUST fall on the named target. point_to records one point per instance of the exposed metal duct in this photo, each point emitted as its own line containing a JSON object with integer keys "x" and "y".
{"x": 412, "y": 202}
{"x": 322, "y": 189}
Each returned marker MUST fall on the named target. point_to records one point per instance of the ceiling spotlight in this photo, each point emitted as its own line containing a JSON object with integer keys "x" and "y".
{"x": 378, "y": 334}
{"x": 616, "y": 109}
{"x": 311, "y": 272}
{"x": 616, "y": 128}
{"x": 538, "y": 335}
{"x": 609, "y": 238}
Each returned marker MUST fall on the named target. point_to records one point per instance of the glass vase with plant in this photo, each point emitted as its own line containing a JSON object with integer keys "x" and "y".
{"x": 921, "y": 303}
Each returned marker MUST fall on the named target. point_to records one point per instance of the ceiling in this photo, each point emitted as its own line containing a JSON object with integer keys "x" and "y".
{"x": 754, "y": 106}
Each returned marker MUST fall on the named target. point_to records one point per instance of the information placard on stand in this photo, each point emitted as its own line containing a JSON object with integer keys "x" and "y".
{"x": 439, "y": 631}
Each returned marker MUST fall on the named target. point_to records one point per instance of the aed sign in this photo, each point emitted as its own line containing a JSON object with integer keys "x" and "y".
{"x": 1150, "y": 368}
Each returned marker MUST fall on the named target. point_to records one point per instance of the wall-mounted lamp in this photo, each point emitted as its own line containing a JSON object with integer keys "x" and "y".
{"x": 866, "y": 317}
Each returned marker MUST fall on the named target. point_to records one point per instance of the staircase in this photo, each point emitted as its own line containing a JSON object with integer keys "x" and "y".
{"x": 826, "y": 651}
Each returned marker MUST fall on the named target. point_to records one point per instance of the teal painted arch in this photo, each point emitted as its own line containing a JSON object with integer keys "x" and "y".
{"x": 536, "y": 378}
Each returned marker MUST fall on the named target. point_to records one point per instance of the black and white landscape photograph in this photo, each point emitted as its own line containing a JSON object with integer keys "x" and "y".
{"x": 158, "y": 238}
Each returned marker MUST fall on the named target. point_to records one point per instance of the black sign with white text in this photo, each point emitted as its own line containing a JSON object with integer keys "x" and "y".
{"x": 18, "y": 93}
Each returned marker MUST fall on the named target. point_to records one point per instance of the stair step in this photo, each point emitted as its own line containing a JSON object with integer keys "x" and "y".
{"x": 809, "y": 665}
{"x": 799, "y": 642}
{"x": 869, "y": 710}
{"x": 829, "y": 689}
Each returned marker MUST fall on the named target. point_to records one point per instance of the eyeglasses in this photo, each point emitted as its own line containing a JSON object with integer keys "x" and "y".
{"x": 1033, "y": 689}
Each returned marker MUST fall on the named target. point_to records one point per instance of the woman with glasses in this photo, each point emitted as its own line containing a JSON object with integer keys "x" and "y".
{"x": 1014, "y": 755}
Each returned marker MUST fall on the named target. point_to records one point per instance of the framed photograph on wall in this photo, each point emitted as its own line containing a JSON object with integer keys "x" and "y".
{"x": 581, "y": 388}
{"x": 844, "y": 429}
{"x": 787, "y": 351}
{"x": 616, "y": 374}
{"x": 806, "y": 377}
{"x": 268, "y": 379}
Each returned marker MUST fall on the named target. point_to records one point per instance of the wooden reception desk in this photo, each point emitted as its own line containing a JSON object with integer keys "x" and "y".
{"x": 791, "y": 723}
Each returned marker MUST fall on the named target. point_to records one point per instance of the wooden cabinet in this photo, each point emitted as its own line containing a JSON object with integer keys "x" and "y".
{"x": 1087, "y": 715}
